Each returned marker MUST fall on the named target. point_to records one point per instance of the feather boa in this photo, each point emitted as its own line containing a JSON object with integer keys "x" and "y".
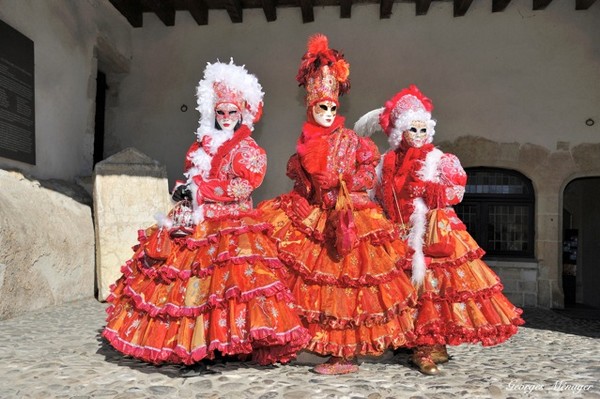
{"x": 429, "y": 170}
{"x": 418, "y": 219}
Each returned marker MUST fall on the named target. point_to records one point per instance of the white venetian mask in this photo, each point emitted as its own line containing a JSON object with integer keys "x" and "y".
{"x": 228, "y": 116}
{"x": 324, "y": 113}
{"x": 417, "y": 135}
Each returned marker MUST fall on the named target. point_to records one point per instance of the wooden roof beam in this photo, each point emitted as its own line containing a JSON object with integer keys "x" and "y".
{"x": 234, "y": 9}
{"x": 130, "y": 9}
{"x": 199, "y": 10}
{"x": 541, "y": 4}
{"x": 422, "y": 6}
{"x": 345, "y": 8}
{"x": 461, "y": 7}
{"x": 270, "y": 9}
{"x": 308, "y": 14}
{"x": 499, "y": 5}
{"x": 163, "y": 10}
{"x": 583, "y": 4}
{"x": 385, "y": 9}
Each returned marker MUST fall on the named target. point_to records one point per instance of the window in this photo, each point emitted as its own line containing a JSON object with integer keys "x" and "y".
{"x": 498, "y": 210}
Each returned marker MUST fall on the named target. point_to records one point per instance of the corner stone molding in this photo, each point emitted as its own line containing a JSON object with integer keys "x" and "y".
{"x": 129, "y": 189}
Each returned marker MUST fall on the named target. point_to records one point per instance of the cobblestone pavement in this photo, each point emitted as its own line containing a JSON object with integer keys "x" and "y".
{"x": 58, "y": 353}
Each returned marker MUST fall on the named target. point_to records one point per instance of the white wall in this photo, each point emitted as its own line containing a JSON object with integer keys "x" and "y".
{"x": 68, "y": 35}
{"x": 518, "y": 75}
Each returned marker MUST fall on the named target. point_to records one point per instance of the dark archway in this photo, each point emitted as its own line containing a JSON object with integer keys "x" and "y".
{"x": 101, "y": 88}
{"x": 581, "y": 246}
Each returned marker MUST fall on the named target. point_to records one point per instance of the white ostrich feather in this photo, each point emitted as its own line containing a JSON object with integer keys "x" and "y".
{"x": 368, "y": 124}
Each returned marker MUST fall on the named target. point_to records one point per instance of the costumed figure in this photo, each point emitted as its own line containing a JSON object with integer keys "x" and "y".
{"x": 460, "y": 297}
{"x": 343, "y": 256}
{"x": 203, "y": 281}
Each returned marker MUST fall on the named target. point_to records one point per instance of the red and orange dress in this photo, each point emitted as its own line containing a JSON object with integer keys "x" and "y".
{"x": 183, "y": 297}
{"x": 460, "y": 297}
{"x": 344, "y": 260}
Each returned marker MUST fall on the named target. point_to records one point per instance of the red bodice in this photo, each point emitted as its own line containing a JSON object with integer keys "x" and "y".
{"x": 237, "y": 168}
{"x": 335, "y": 152}
{"x": 425, "y": 172}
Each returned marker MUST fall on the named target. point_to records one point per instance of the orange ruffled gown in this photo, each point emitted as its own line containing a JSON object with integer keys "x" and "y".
{"x": 182, "y": 298}
{"x": 357, "y": 303}
{"x": 460, "y": 300}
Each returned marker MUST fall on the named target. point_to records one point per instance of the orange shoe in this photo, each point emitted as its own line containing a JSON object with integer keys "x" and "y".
{"x": 421, "y": 358}
{"x": 439, "y": 354}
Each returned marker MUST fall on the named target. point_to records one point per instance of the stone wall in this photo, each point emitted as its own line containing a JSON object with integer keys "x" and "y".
{"x": 519, "y": 280}
{"x": 46, "y": 244}
{"x": 550, "y": 172}
{"x": 129, "y": 189}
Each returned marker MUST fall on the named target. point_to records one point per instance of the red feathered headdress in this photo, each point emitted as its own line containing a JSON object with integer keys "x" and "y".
{"x": 323, "y": 72}
{"x": 410, "y": 103}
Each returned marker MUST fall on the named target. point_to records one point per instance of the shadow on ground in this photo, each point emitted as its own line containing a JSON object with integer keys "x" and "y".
{"x": 205, "y": 367}
{"x": 585, "y": 324}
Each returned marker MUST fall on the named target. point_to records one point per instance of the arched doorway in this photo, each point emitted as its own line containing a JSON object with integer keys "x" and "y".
{"x": 581, "y": 243}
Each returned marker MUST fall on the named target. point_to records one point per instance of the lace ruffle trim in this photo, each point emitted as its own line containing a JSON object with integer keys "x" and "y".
{"x": 277, "y": 289}
{"x": 364, "y": 319}
{"x": 272, "y": 347}
{"x": 339, "y": 281}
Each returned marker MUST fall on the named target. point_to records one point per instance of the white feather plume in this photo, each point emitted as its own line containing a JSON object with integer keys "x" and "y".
{"x": 163, "y": 220}
{"x": 237, "y": 78}
{"x": 416, "y": 238}
{"x": 368, "y": 124}
{"x": 429, "y": 170}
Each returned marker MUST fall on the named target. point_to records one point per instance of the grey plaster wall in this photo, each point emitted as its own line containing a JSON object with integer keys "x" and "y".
{"x": 517, "y": 76}
{"x": 70, "y": 37}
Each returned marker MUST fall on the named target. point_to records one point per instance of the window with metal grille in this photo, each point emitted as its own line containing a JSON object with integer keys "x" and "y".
{"x": 498, "y": 210}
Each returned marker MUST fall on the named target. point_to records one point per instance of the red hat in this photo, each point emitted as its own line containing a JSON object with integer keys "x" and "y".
{"x": 323, "y": 72}
{"x": 407, "y": 105}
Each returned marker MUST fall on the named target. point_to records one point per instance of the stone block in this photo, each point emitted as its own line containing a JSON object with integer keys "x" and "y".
{"x": 46, "y": 244}
{"x": 546, "y": 202}
{"x": 529, "y": 275}
{"x": 586, "y": 156}
{"x": 528, "y": 287}
{"x": 547, "y": 226}
{"x": 544, "y": 294}
{"x": 129, "y": 189}
{"x": 563, "y": 146}
{"x": 558, "y": 297}
{"x": 515, "y": 298}
{"x": 550, "y": 259}
{"x": 506, "y": 273}
{"x": 510, "y": 285}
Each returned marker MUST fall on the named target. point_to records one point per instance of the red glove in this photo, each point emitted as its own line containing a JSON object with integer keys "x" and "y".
{"x": 325, "y": 180}
{"x": 303, "y": 208}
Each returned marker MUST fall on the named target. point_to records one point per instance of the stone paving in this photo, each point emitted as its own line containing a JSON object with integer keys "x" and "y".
{"x": 58, "y": 353}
